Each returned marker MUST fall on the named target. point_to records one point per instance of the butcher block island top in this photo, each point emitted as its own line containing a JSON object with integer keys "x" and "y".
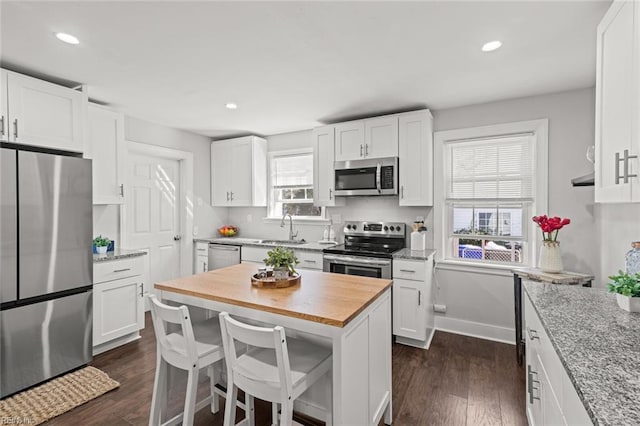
{"x": 333, "y": 299}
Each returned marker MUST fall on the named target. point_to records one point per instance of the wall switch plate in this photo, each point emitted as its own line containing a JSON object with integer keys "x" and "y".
{"x": 419, "y": 218}
{"x": 249, "y": 218}
{"x": 195, "y": 230}
{"x": 336, "y": 219}
{"x": 440, "y": 308}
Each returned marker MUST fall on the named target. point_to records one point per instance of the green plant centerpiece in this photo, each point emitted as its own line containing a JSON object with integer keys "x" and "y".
{"x": 627, "y": 289}
{"x": 283, "y": 262}
{"x": 101, "y": 244}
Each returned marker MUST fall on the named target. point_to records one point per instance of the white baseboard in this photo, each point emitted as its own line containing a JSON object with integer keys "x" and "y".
{"x": 107, "y": 346}
{"x": 476, "y": 329}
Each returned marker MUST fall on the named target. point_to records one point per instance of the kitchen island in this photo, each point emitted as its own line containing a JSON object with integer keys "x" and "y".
{"x": 349, "y": 314}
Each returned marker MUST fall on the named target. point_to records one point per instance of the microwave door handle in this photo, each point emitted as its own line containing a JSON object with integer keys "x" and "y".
{"x": 378, "y": 173}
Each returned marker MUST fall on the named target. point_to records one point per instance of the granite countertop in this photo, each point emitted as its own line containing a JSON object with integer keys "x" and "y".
{"x": 117, "y": 254}
{"x": 407, "y": 253}
{"x": 598, "y": 344}
{"x": 255, "y": 242}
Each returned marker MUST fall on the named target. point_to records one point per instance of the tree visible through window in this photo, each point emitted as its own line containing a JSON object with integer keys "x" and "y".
{"x": 291, "y": 185}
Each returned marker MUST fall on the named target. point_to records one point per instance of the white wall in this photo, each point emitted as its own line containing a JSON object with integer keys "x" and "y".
{"x": 619, "y": 225}
{"x": 206, "y": 218}
{"x": 483, "y": 304}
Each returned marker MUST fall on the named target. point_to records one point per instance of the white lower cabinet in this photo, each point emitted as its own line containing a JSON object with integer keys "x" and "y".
{"x": 201, "y": 258}
{"x": 551, "y": 396}
{"x": 413, "y": 318}
{"x": 118, "y": 303}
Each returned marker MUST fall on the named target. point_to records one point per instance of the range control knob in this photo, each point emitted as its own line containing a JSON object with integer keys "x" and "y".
{"x": 398, "y": 228}
{"x": 386, "y": 228}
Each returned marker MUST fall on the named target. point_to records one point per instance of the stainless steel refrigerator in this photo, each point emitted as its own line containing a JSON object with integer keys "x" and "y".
{"x": 46, "y": 266}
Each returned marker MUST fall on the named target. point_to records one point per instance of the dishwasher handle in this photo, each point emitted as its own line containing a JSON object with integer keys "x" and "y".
{"x": 223, "y": 247}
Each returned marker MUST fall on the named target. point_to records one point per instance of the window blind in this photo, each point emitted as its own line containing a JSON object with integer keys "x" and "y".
{"x": 292, "y": 171}
{"x": 498, "y": 169}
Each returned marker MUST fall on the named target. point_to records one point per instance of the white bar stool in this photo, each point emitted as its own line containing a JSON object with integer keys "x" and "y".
{"x": 195, "y": 347}
{"x": 274, "y": 369}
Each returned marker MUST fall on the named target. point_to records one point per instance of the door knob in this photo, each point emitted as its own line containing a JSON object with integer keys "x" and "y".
{"x": 177, "y": 237}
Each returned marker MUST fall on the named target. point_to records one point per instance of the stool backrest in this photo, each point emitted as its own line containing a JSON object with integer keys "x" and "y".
{"x": 180, "y": 350}
{"x": 262, "y": 337}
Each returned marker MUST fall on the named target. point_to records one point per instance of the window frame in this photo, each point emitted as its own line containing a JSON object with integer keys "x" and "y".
{"x": 538, "y": 131}
{"x": 270, "y": 199}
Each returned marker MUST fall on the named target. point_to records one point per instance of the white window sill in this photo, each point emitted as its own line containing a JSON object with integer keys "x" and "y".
{"x": 477, "y": 267}
{"x": 298, "y": 221}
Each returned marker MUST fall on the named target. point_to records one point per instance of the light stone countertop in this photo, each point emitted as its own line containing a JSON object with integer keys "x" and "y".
{"x": 256, "y": 242}
{"x": 407, "y": 253}
{"x": 117, "y": 254}
{"x": 598, "y": 344}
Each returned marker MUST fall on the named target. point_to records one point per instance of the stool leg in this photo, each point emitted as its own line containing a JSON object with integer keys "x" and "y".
{"x": 286, "y": 415}
{"x": 250, "y": 409}
{"x": 214, "y": 378}
{"x": 190, "y": 399}
{"x": 230, "y": 404}
{"x": 159, "y": 391}
{"x": 274, "y": 413}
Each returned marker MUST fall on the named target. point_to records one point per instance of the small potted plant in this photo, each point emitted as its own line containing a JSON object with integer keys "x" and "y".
{"x": 283, "y": 262}
{"x": 101, "y": 244}
{"x": 627, "y": 289}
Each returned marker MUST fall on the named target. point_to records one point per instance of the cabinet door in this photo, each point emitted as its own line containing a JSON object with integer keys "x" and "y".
{"x": 220, "y": 179}
{"x": 381, "y": 137}
{"x": 44, "y": 114}
{"x": 416, "y": 159}
{"x": 201, "y": 253}
{"x": 409, "y": 309}
{"x": 534, "y": 404}
{"x": 241, "y": 172}
{"x": 551, "y": 411}
{"x": 107, "y": 149}
{"x": 349, "y": 143}
{"x": 4, "y": 118}
{"x": 202, "y": 264}
{"x": 323, "y": 170}
{"x": 118, "y": 308}
{"x": 615, "y": 83}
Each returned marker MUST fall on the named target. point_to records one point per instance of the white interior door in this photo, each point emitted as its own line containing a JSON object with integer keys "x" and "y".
{"x": 153, "y": 214}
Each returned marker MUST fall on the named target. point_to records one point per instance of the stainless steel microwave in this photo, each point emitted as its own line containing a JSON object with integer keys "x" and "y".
{"x": 378, "y": 176}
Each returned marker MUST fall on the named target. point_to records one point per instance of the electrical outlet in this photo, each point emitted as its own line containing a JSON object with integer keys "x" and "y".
{"x": 249, "y": 218}
{"x": 440, "y": 308}
{"x": 195, "y": 230}
{"x": 336, "y": 219}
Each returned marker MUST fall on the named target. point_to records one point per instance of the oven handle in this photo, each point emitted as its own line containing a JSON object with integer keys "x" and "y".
{"x": 358, "y": 260}
{"x": 378, "y": 173}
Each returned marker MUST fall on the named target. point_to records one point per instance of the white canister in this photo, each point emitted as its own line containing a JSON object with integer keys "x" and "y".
{"x": 418, "y": 240}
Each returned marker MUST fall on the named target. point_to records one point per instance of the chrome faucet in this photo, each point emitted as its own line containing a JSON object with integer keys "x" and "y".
{"x": 292, "y": 235}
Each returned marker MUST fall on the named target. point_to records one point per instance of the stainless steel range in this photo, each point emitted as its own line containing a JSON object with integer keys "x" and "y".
{"x": 368, "y": 249}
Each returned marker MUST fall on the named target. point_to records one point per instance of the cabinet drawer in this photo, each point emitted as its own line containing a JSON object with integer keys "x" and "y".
{"x": 253, "y": 254}
{"x": 409, "y": 270}
{"x": 309, "y": 260}
{"x": 202, "y": 249}
{"x": 116, "y": 269}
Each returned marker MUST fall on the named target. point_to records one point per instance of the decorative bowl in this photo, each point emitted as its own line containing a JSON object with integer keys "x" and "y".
{"x": 228, "y": 231}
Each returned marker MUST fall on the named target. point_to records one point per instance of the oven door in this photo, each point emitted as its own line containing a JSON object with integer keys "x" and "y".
{"x": 366, "y": 177}
{"x": 356, "y": 265}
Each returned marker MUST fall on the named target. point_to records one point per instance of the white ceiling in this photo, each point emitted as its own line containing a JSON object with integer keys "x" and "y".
{"x": 293, "y": 65}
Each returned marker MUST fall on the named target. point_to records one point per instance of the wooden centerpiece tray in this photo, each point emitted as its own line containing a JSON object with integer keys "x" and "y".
{"x": 271, "y": 282}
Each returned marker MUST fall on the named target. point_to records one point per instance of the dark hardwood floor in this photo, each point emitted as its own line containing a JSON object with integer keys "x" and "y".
{"x": 458, "y": 381}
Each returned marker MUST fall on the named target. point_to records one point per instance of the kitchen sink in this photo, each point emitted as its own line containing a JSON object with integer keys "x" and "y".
{"x": 283, "y": 241}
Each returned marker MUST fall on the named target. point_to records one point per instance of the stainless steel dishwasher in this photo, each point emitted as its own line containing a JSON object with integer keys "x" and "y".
{"x": 223, "y": 255}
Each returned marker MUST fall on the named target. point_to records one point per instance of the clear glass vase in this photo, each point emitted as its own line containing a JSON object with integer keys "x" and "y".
{"x": 550, "y": 259}
{"x": 632, "y": 259}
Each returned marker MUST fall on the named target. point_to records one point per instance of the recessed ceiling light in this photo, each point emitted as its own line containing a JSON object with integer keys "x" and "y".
{"x": 491, "y": 46}
{"x": 231, "y": 105}
{"x": 67, "y": 38}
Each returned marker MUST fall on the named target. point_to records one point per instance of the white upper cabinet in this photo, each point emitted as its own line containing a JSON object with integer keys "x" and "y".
{"x": 416, "y": 158}
{"x": 4, "y": 117}
{"x": 349, "y": 141}
{"x": 106, "y": 147}
{"x": 617, "y": 137}
{"x": 323, "y": 170}
{"x": 239, "y": 172}
{"x": 381, "y": 137}
{"x": 43, "y": 114}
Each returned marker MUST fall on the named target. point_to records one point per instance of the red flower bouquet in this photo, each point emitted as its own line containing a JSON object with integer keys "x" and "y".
{"x": 550, "y": 226}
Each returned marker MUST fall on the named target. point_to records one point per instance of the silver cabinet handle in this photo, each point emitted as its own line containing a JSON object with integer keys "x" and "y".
{"x": 531, "y": 388}
{"x": 15, "y": 128}
{"x": 141, "y": 289}
{"x": 231, "y": 195}
{"x": 2, "y": 125}
{"x": 330, "y": 193}
{"x": 223, "y": 247}
{"x": 227, "y": 195}
{"x": 533, "y": 334}
{"x": 419, "y": 297}
{"x": 201, "y": 249}
{"x": 617, "y": 168}
{"x": 204, "y": 267}
{"x": 408, "y": 270}
{"x": 310, "y": 261}
{"x": 366, "y": 150}
{"x": 361, "y": 147}
{"x": 121, "y": 270}
{"x": 122, "y": 190}
{"x": 628, "y": 157}
{"x": 402, "y": 191}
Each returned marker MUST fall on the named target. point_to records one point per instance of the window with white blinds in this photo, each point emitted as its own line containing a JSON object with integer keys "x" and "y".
{"x": 489, "y": 186}
{"x": 291, "y": 184}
